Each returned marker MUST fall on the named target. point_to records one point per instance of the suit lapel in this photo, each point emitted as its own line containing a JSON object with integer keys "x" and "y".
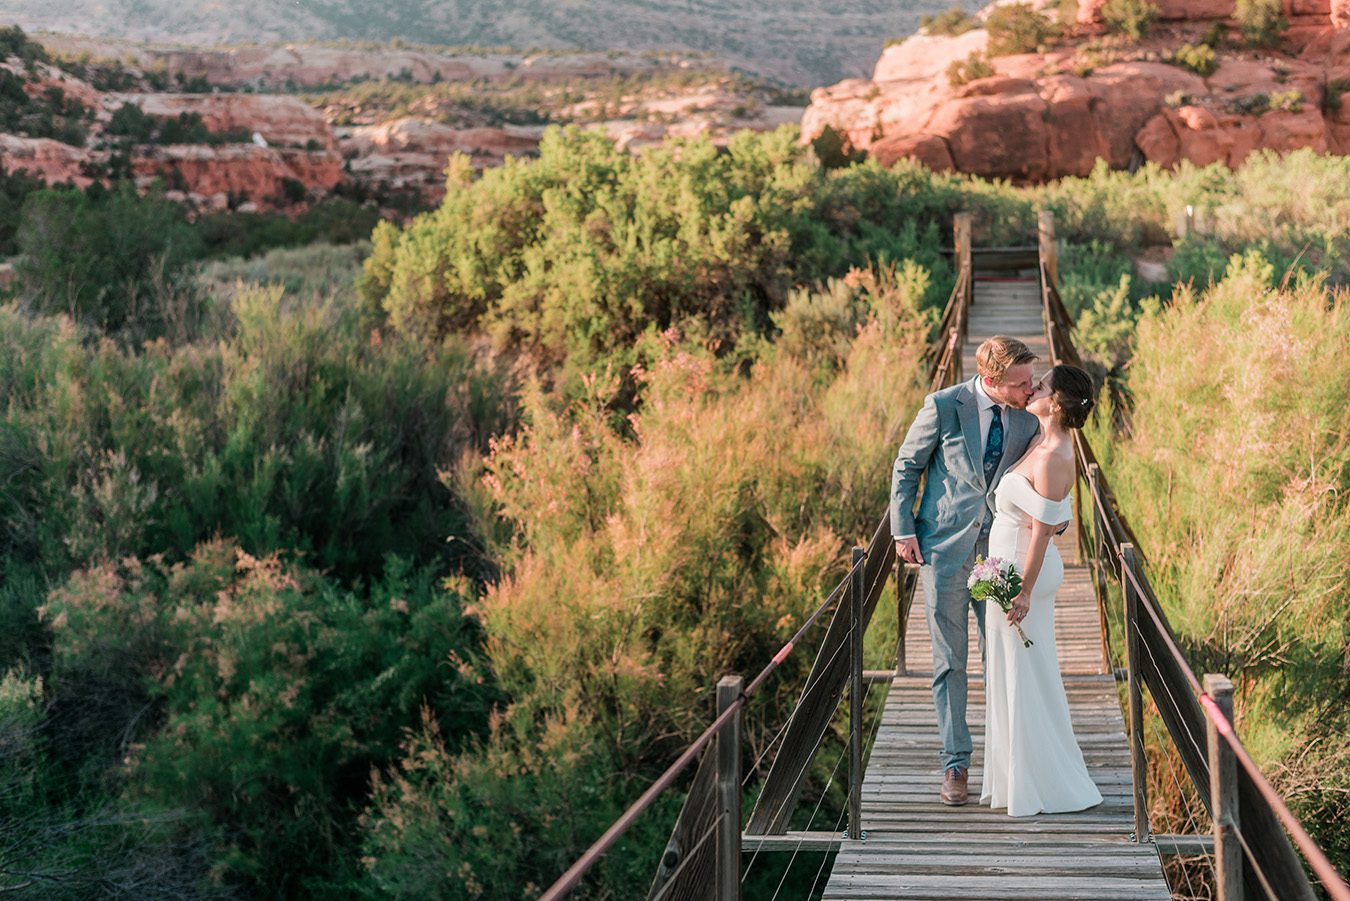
{"x": 969, "y": 415}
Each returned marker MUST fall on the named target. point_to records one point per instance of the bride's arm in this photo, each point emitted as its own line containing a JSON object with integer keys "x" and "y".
{"x": 1031, "y": 568}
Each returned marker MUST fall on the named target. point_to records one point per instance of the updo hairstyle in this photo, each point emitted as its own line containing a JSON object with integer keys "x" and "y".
{"x": 1072, "y": 391}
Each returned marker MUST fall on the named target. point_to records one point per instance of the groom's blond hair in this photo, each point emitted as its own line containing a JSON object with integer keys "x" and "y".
{"x": 1000, "y": 353}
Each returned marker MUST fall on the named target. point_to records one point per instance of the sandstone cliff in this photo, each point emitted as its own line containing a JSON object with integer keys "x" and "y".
{"x": 1043, "y": 116}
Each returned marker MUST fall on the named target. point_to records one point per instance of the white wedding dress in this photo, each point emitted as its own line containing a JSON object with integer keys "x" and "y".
{"x": 1032, "y": 763}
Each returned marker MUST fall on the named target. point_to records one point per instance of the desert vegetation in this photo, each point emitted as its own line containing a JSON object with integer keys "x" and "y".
{"x": 422, "y": 556}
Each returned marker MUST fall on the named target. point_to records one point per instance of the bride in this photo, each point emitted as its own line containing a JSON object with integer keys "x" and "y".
{"x": 1032, "y": 763}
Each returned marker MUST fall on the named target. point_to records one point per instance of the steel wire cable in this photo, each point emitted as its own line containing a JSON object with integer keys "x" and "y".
{"x": 872, "y": 742}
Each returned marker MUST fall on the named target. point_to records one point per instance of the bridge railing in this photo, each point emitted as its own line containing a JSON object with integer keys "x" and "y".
{"x": 702, "y": 860}
{"x": 1252, "y": 825}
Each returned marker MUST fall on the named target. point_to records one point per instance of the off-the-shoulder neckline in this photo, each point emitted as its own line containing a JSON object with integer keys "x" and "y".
{"x": 1013, "y": 472}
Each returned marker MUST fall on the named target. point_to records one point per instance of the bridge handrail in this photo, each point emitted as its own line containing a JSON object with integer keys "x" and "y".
{"x": 1273, "y": 856}
{"x": 574, "y": 873}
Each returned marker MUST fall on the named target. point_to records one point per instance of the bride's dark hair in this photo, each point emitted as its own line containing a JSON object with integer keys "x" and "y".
{"x": 1072, "y": 390}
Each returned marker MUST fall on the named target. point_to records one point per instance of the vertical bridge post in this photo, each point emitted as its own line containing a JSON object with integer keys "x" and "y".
{"x": 1138, "y": 764}
{"x": 728, "y": 870}
{"x": 965, "y": 267}
{"x": 1045, "y": 234}
{"x": 1223, "y": 792}
{"x": 1089, "y": 546}
{"x": 855, "y": 698}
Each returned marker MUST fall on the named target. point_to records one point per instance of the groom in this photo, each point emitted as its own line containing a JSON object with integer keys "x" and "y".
{"x": 963, "y": 440}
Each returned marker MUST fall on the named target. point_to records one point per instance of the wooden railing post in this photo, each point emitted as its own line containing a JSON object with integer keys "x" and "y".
{"x": 729, "y": 792}
{"x": 1223, "y": 793}
{"x": 1088, "y": 546}
{"x": 855, "y": 698}
{"x": 1138, "y": 764}
{"x": 1045, "y": 233}
{"x": 906, "y": 579}
{"x": 961, "y": 241}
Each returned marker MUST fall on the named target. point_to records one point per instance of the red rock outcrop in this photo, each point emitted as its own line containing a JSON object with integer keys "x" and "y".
{"x": 281, "y": 120}
{"x": 52, "y": 161}
{"x": 1032, "y": 121}
{"x": 411, "y": 152}
{"x": 238, "y": 170}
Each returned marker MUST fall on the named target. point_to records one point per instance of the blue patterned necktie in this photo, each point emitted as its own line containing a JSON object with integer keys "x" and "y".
{"x": 993, "y": 447}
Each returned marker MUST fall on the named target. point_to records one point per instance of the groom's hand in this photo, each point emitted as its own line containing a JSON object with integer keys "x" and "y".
{"x": 907, "y": 549}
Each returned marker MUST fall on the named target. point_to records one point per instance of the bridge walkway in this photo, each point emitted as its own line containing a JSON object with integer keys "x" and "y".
{"x": 918, "y": 848}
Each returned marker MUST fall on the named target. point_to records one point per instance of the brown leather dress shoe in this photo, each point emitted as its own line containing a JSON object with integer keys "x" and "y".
{"x": 954, "y": 792}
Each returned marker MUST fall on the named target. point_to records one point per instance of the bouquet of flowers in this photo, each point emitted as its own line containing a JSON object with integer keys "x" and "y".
{"x": 997, "y": 580}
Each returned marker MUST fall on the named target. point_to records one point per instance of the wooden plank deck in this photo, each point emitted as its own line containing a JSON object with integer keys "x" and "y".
{"x": 918, "y": 848}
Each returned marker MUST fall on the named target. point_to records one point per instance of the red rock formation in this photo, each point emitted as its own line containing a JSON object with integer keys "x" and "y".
{"x": 238, "y": 170}
{"x": 412, "y": 151}
{"x": 281, "y": 120}
{"x": 1032, "y": 121}
{"x": 52, "y": 161}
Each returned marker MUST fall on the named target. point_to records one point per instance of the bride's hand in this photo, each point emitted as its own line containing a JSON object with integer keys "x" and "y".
{"x": 1021, "y": 606}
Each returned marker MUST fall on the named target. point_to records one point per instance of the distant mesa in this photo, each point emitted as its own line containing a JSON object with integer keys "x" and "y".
{"x": 221, "y": 140}
{"x": 1095, "y": 95}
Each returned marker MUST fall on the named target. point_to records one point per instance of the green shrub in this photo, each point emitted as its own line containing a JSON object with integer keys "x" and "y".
{"x": 131, "y": 122}
{"x": 1262, "y": 22}
{"x": 271, "y": 695}
{"x": 1289, "y": 101}
{"x": 299, "y": 431}
{"x": 111, "y": 259}
{"x": 332, "y": 220}
{"x": 1251, "y": 104}
{"x": 1336, "y": 89}
{"x": 601, "y": 618}
{"x": 1019, "y": 28}
{"x": 49, "y": 114}
{"x": 577, "y": 254}
{"x": 1132, "y": 18}
{"x": 834, "y": 149}
{"x": 972, "y": 68}
{"x": 15, "y": 44}
{"x": 1224, "y": 447}
{"x": 1199, "y": 58}
{"x": 952, "y": 22}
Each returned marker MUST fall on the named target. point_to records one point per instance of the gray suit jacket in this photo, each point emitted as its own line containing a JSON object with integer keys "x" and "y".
{"x": 944, "y": 443}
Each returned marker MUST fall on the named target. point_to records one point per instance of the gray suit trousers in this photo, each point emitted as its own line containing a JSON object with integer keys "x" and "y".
{"x": 948, "y": 605}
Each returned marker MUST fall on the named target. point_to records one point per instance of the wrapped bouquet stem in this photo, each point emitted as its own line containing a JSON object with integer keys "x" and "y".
{"x": 997, "y": 580}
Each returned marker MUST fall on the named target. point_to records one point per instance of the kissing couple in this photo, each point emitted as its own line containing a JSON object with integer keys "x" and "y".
{"x": 996, "y": 457}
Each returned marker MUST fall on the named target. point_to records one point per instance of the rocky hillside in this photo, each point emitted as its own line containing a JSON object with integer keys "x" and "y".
{"x": 793, "y": 41}
{"x": 213, "y": 127}
{"x": 1195, "y": 82}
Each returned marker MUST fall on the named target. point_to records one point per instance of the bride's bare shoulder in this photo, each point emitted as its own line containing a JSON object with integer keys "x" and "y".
{"x": 1051, "y": 473}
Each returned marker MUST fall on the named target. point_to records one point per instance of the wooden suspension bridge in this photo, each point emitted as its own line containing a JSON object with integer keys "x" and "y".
{"x": 901, "y": 843}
